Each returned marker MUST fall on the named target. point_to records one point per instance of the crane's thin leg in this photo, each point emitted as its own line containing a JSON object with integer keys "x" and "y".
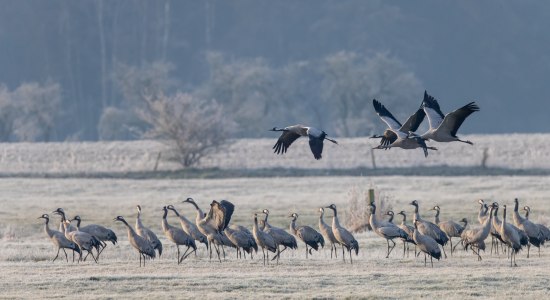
{"x": 528, "y": 248}
{"x": 58, "y": 249}
{"x": 95, "y": 259}
{"x": 263, "y": 251}
{"x": 432, "y": 261}
{"x": 391, "y": 249}
{"x": 66, "y": 256}
{"x": 451, "y": 241}
{"x": 278, "y": 254}
{"x": 350, "y": 258}
{"x": 444, "y": 251}
{"x": 178, "y": 256}
{"x": 404, "y": 249}
{"x": 335, "y": 251}
{"x": 424, "y": 259}
{"x": 140, "y": 260}
{"x": 343, "y": 256}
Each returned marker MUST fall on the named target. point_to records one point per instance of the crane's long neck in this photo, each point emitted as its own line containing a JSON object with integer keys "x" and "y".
{"x": 391, "y": 218}
{"x": 164, "y": 221}
{"x": 515, "y": 216}
{"x": 47, "y": 229}
{"x": 488, "y": 223}
{"x": 436, "y": 218}
{"x": 293, "y": 226}
{"x": 78, "y": 220}
{"x": 416, "y": 215}
{"x": 504, "y": 216}
{"x": 527, "y": 214}
{"x": 404, "y": 222}
{"x": 255, "y": 226}
{"x": 139, "y": 224}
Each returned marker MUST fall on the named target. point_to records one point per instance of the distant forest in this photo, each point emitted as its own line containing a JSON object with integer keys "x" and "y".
{"x": 79, "y": 70}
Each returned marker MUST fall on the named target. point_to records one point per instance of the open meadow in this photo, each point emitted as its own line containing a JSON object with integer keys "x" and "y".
{"x": 41, "y": 181}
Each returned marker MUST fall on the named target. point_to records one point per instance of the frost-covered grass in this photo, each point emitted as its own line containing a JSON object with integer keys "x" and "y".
{"x": 27, "y": 271}
{"x": 510, "y": 151}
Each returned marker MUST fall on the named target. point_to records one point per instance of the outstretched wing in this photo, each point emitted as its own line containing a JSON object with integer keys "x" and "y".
{"x": 316, "y": 146}
{"x": 432, "y": 110}
{"x": 220, "y": 214}
{"x": 453, "y": 120}
{"x": 413, "y": 121}
{"x": 284, "y": 141}
{"x": 385, "y": 115}
{"x": 388, "y": 138}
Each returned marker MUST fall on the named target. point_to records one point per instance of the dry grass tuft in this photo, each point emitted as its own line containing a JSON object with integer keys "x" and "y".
{"x": 359, "y": 208}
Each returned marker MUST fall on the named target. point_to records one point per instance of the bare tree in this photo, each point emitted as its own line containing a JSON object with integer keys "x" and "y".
{"x": 38, "y": 108}
{"x": 191, "y": 127}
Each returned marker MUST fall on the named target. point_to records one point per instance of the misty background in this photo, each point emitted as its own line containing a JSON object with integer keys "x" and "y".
{"x": 79, "y": 70}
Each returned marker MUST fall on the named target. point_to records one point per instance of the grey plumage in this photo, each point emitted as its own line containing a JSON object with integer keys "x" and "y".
{"x": 510, "y": 238}
{"x": 443, "y": 128}
{"x": 190, "y": 227}
{"x": 536, "y": 237}
{"x": 426, "y": 244}
{"x": 83, "y": 240}
{"x": 386, "y": 230}
{"x": 264, "y": 241}
{"x": 292, "y": 133}
{"x": 58, "y": 239}
{"x": 543, "y": 229}
{"x": 147, "y": 233}
{"x": 475, "y": 237}
{"x": 306, "y": 234}
{"x": 409, "y": 230}
{"x": 213, "y": 224}
{"x": 178, "y": 237}
{"x": 429, "y": 228}
{"x": 102, "y": 233}
{"x": 326, "y": 231}
{"x": 450, "y": 228}
{"x": 143, "y": 246}
{"x": 343, "y": 236}
{"x": 281, "y": 237}
{"x": 242, "y": 238}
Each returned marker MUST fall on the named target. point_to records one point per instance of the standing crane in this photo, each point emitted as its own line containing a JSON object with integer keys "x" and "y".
{"x": 210, "y": 224}
{"x": 264, "y": 241}
{"x": 544, "y": 230}
{"x": 429, "y": 228}
{"x": 281, "y": 237}
{"x": 58, "y": 239}
{"x": 147, "y": 233}
{"x": 326, "y": 231}
{"x": 308, "y": 235}
{"x": 409, "y": 230}
{"x": 450, "y": 228}
{"x": 143, "y": 246}
{"x": 292, "y": 133}
{"x": 102, "y": 233}
{"x": 177, "y": 236}
{"x": 536, "y": 237}
{"x": 343, "y": 236}
{"x": 190, "y": 228}
{"x": 443, "y": 128}
{"x": 510, "y": 238}
{"x": 386, "y": 230}
{"x": 426, "y": 244}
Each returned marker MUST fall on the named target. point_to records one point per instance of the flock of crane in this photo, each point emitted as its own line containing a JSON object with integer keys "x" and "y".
{"x": 213, "y": 229}
{"x": 442, "y": 128}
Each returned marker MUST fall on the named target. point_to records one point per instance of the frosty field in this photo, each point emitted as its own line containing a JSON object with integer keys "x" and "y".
{"x": 27, "y": 270}
{"x": 26, "y": 253}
